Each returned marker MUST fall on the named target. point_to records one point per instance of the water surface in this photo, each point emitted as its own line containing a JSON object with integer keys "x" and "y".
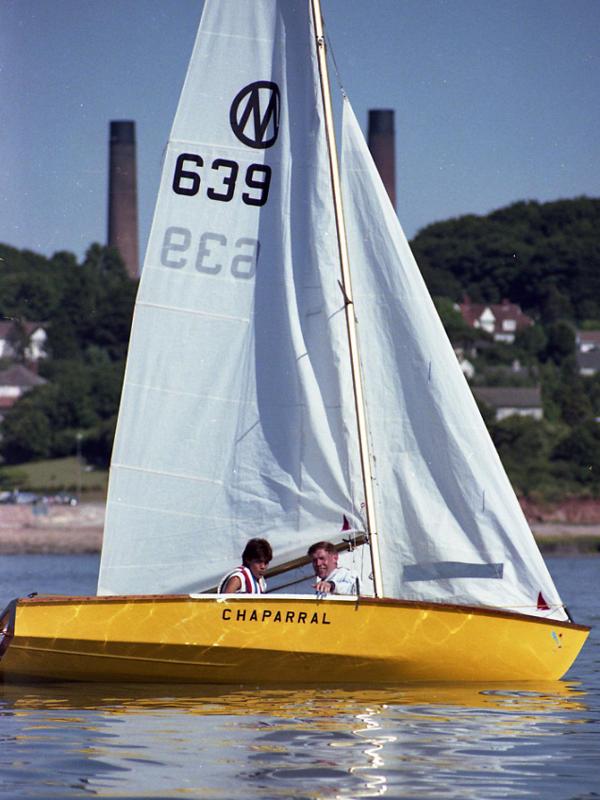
{"x": 530, "y": 741}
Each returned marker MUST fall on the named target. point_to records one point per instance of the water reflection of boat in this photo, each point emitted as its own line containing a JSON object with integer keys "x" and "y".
{"x": 129, "y": 740}
{"x": 266, "y": 394}
{"x": 283, "y": 702}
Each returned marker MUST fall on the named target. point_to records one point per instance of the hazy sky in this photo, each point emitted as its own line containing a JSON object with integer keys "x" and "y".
{"x": 495, "y": 101}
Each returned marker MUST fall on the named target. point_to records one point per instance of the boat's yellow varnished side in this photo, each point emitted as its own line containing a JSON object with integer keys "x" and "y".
{"x": 276, "y": 639}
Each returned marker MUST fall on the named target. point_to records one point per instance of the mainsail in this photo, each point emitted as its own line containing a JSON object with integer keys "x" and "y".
{"x": 237, "y": 407}
{"x": 451, "y": 528}
{"x": 237, "y": 417}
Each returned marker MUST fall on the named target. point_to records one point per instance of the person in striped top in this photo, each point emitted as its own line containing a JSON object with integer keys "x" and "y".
{"x": 248, "y": 579}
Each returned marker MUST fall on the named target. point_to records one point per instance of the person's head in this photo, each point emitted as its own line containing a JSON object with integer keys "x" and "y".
{"x": 257, "y": 556}
{"x": 324, "y": 558}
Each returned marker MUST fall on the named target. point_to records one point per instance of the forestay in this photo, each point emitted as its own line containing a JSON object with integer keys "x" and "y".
{"x": 450, "y": 526}
{"x": 237, "y": 409}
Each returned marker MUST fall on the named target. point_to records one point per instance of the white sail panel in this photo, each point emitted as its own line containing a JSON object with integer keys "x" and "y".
{"x": 232, "y": 421}
{"x": 450, "y": 526}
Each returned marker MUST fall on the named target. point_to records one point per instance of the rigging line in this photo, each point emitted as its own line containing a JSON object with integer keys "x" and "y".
{"x": 334, "y": 63}
{"x": 509, "y": 606}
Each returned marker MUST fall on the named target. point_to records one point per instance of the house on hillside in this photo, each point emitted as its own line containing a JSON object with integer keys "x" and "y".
{"x": 23, "y": 339}
{"x": 501, "y": 320}
{"x": 588, "y": 352}
{"x": 14, "y": 383}
{"x": 507, "y": 401}
{"x": 587, "y": 341}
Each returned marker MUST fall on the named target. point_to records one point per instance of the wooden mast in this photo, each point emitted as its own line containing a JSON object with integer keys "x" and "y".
{"x": 365, "y": 458}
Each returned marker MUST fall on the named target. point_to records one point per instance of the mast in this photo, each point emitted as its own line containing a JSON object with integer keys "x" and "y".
{"x": 349, "y": 310}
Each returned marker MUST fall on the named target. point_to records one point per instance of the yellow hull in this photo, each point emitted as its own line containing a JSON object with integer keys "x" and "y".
{"x": 284, "y": 640}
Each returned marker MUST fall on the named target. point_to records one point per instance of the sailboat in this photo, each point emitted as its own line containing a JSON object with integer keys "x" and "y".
{"x": 288, "y": 378}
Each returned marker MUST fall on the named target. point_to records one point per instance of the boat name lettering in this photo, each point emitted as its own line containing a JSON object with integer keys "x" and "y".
{"x": 299, "y": 617}
{"x": 210, "y": 254}
{"x": 190, "y": 176}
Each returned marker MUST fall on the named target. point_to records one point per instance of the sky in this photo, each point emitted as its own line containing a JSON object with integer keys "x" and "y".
{"x": 495, "y": 101}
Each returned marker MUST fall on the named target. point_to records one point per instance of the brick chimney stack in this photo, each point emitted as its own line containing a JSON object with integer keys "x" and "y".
{"x": 382, "y": 146}
{"x": 122, "y": 195}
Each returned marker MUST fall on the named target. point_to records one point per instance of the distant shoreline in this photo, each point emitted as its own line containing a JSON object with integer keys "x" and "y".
{"x": 78, "y": 530}
{"x": 556, "y": 538}
{"x": 26, "y": 529}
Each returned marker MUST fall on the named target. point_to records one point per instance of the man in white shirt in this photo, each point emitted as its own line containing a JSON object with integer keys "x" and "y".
{"x": 331, "y": 579}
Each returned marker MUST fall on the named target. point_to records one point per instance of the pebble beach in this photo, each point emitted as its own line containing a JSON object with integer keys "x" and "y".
{"x": 51, "y": 528}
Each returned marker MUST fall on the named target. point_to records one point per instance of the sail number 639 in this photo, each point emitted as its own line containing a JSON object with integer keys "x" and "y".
{"x": 210, "y": 254}
{"x": 221, "y": 179}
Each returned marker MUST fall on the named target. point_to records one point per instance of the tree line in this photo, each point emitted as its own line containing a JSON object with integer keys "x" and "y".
{"x": 543, "y": 256}
{"x": 86, "y": 311}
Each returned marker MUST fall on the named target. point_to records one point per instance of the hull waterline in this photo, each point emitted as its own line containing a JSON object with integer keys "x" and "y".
{"x": 269, "y": 640}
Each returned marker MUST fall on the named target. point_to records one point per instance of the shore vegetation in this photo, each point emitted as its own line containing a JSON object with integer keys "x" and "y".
{"x": 543, "y": 256}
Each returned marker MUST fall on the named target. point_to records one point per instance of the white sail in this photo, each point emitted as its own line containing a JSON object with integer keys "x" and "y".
{"x": 236, "y": 407}
{"x": 450, "y": 526}
{"x": 237, "y": 415}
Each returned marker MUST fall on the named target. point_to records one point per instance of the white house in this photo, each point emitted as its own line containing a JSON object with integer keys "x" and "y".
{"x": 588, "y": 352}
{"x": 501, "y": 320}
{"x": 508, "y": 401}
{"x": 29, "y": 335}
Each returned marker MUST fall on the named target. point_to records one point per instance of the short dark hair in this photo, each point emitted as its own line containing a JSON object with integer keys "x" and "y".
{"x": 257, "y": 549}
{"x": 330, "y": 548}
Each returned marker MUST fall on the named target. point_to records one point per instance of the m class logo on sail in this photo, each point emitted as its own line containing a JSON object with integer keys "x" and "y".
{"x": 254, "y": 114}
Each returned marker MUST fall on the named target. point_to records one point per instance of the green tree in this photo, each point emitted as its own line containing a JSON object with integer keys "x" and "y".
{"x": 560, "y": 342}
{"x": 524, "y": 445}
{"x": 26, "y": 434}
{"x": 575, "y": 404}
{"x": 532, "y": 341}
{"x": 543, "y": 256}
{"x": 580, "y": 452}
{"x": 98, "y": 444}
{"x": 459, "y": 333}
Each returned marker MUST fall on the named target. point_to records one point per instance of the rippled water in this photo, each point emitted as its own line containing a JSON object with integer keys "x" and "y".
{"x": 533, "y": 741}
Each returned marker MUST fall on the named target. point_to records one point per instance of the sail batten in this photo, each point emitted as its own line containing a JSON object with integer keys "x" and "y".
{"x": 193, "y": 311}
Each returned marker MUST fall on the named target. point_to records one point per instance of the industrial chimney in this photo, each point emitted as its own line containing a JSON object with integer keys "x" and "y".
{"x": 382, "y": 146}
{"x": 122, "y": 195}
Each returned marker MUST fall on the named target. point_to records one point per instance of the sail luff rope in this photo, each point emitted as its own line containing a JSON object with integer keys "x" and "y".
{"x": 365, "y": 458}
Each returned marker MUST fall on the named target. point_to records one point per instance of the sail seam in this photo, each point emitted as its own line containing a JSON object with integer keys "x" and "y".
{"x": 221, "y": 35}
{"x": 197, "y": 478}
{"x": 179, "y": 393}
{"x": 224, "y": 148}
{"x": 192, "y": 312}
{"x": 169, "y": 512}
{"x": 221, "y": 398}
